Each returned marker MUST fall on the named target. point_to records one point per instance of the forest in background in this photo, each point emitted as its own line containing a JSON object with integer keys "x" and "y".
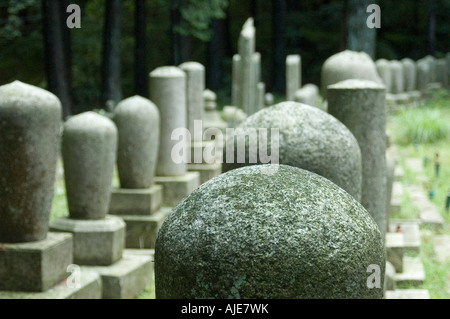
{"x": 120, "y": 42}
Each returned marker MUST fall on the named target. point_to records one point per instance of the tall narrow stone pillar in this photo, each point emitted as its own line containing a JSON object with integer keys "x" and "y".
{"x": 293, "y": 76}
{"x": 246, "y": 48}
{"x": 360, "y": 105}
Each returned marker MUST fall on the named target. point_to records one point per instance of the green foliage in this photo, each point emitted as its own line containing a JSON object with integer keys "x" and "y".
{"x": 422, "y": 125}
{"x": 197, "y": 16}
{"x": 12, "y": 29}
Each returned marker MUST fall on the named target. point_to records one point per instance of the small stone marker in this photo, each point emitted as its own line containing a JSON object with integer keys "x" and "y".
{"x": 293, "y": 75}
{"x": 168, "y": 92}
{"x": 385, "y": 73}
{"x": 360, "y": 105}
{"x": 409, "y": 74}
{"x": 228, "y": 238}
{"x": 397, "y": 77}
{"x": 347, "y": 65}
{"x": 30, "y": 121}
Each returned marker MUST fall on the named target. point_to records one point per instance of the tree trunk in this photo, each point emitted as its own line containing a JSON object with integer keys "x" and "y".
{"x": 432, "y": 28}
{"x": 111, "y": 84}
{"x": 360, "y": 37}
{"x": 279, "y": 12}
{"x": 141, "y": 74}
{"x": 56, "y": 62}
{"x": 182, "y": 45}
{"x": 343, "y": 41}
{"x": 215, "y": 55}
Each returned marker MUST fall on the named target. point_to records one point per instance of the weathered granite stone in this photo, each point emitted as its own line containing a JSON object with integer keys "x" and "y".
{"x": 137, "y": 121}
{"x": 89, "y": 147}
{"x": 247, "y": 234}
{"x": 30, "y": 121}
{"x": 95, "y": 242}
{"x": 309, "y": 138}
{"x": 397, "y": 76}
{"x": 293, "y": 75}
{"x": 409, "y": 74}
{"x": 35, "y": 266}
{"x": 360, "y": 105}
{"x": 247, "y": 84}
{"x": 168, "y": 92}
{"x": 384, "y": 71}
{"x": 195, "y": 85}
{"x": 347, "y": 65}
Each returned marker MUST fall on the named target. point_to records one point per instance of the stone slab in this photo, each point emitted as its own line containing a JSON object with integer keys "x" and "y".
{"x": 396, "y": 198}
{"x": 141, "y": 252}
{"x": 176, "y": 188}
{"x": 413, "y": 272}
{"x": 411, "y": 233}
{"x": 399, "y": 173}
{"x": 35, "y": 266}
{"x": 394, "y": 250}
{"x": 442, "y": 247}
{"x": 430, "y": 216}
{"x": 90, "y": 288}
{"x": 136, "y": 201}
{"x": 95, "y": 242}
{"x": 126, "y": 278}
{"x": 206, "y": 171}
{"x": 407, "y": 294}
{"x": 142, "y": 230}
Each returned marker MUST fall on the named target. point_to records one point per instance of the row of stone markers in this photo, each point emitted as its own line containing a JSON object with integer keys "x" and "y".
{"x": 255, "y": 215}
{"x": 102, "y": 221}
{"x": 407, "y": 81}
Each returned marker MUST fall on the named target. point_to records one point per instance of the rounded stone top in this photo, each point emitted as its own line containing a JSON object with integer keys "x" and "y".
{"x": 89, "y": 121}
{"x": 309, "y": 138}
{"x": 246, "y": 234}
{"x": 134, "y": 104}
{"x": 395, "y": 64}
{"x": 191, "y": 65}
{"x": 167, "y": 72}
{"x": 348, "y": 65}
{"x": 21, "y": 94}
{"x": 357, "y": 84}
{"x": 407, "y": 60}
{"x": 209, "y": 96}
{"x": 293, "y": 58}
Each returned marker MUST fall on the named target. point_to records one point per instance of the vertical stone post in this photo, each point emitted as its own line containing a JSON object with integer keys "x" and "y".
{"x": 360, "y": 105}
{"x": 168, "y": 92}
{"x": 293, "y": 76}
{"x": 409, "y": 74}
{"x": 195, "y": 85}
{"x": 236, "y": 80}
{"x": 246, "y": 48}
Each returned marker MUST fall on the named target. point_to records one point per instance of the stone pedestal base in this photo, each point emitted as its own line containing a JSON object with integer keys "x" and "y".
{"x": 90, "y": 288}
{"x": 176, "y": 188}
{"x": 135, "y": 201}
{"x": 395, "y": 250}
{"x": 35, "y": 266}
{"x": 95, "y": 242}
{"x": 206, "y": 171}
{"x": 143, "y": 230}
{"x": 126, "y": 278}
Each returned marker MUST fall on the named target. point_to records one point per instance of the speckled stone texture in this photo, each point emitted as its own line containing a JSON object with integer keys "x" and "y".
{"x": 30, "y": 121}
{"x": 360, "y": 105}
{"x": 347, "y": 65}
{"x": 168, "y": 92}
{"x": 310, "y": 139}
{"x": 137, "y": 121}
{"x": 248, "y": 234}
{"x": 89, "y": 147}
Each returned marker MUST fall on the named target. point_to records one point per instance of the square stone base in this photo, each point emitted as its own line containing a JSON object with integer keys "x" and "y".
{"x": 143, "y": 230}
{"x": 35, "y": 266}
{"x": 135, "y": 201}
{"x": 95, "y": 242}
{"x": 90, "y": 288}
{"x": 394, "y": 250}
{"x": 206, "y": 171}
{"x": 176, "y": 188}
{"x": 126, "y": 278}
